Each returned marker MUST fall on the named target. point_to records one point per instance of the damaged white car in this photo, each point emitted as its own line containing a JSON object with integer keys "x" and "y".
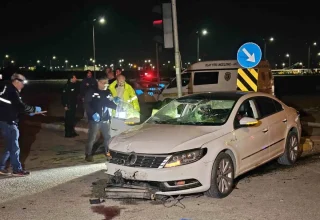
{"x": 202, "y": 142}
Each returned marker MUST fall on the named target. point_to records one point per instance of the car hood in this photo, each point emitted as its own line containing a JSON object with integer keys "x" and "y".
{"x": 164, "y": 139}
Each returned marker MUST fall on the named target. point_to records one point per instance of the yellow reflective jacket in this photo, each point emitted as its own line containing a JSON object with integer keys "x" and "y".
{"x": 129, "y": 95}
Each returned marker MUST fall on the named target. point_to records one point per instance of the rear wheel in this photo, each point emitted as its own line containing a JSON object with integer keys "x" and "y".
{"x": 292, "y": 150}
{"x": 222, "y": 177}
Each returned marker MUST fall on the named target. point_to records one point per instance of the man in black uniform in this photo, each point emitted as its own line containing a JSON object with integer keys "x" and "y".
{"x": 11, "y": 106}
{"x": 69, "y": 101}
{"x": 98, "y": 105}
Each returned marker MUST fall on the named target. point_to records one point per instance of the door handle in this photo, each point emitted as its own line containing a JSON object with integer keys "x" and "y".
{"x": 284, "y": 120}
{"x": 265, "y": 130}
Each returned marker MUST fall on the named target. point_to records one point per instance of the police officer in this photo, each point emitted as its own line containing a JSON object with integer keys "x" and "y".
{"x": 97, "y": 103}
{"x": 10, "y": 107}
{"x": 69, "y": 101}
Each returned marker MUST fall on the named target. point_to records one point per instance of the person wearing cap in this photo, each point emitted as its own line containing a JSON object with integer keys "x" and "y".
{"x": 69, "y": 101}
{"x": 11, "y": 105}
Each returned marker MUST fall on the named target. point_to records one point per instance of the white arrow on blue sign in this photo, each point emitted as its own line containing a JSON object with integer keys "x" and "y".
{"x": 249, "y": 55}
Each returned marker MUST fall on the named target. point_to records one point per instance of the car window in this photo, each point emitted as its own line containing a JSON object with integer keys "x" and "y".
{"x": 278, "y": 106}
{"x": 204, "y": 78}
{"x": 247, "y": 109}
{"x": 266, "y": 106}
{"x": 185, "y": 78}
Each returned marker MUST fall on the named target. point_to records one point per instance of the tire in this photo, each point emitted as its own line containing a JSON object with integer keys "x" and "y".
{"x": 292, "y": 150}
{"x": 225, "y": 187}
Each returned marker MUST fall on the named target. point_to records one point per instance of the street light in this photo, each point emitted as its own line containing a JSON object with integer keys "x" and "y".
{"x": 12, "y": 61}
{"x": 66, "y": 61}
{"x": 203, "y": 32}
{"x": 309, "y": 53}
{"x": 271, "y": 39}
{"x": 287, "y": 55}
{"x": 53, "y": 58}
{"x": 101, "y": 21}
{"x": 283, "y": 64}
{"x": 38, "y": 61}
{"x": 7, "y": 56}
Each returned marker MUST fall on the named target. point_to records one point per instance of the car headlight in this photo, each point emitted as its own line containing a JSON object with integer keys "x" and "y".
{"x": 186, "y": 157}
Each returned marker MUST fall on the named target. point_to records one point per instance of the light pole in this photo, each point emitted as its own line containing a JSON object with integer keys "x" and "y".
{"x": 309, "y": 53}
{"x": 271, "y": 39}
{"x": 288, "y": 55}
{"x": 101, "y": 21}
{"x": 66, "y": 64}
{"x": 203, "y": 32}
{"x": 6, "y": 57}
{"x": 53, "y": 58}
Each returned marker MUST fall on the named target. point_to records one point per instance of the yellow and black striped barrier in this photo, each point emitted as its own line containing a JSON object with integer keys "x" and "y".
{"x": 247, "y": 80}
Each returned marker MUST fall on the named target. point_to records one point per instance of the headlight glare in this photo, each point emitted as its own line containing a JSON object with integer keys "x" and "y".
{"x": 186, "y": 157}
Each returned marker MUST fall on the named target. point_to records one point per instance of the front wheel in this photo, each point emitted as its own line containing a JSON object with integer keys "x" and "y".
{"x": 222, "y": 177}
{"x": 292, "y": 150}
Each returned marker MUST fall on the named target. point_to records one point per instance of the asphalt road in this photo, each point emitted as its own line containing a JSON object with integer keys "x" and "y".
{"x": 60, "y": 187}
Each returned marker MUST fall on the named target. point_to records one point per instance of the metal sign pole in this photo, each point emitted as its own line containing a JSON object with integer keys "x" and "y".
{"x": 176, "y": 48}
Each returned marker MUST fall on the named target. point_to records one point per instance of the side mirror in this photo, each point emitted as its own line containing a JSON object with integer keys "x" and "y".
{"x": 246, "y": 122}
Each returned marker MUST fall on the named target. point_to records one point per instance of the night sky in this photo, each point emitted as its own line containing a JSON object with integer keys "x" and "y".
{"x": 32, "y": 30}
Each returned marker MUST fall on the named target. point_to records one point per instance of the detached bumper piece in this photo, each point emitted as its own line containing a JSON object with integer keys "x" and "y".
{"x": 129, "y": 192}
{"x": 119, "y": 188}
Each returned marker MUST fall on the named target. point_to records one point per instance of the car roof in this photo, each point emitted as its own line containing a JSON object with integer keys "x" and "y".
{"x": 233, "y": 95}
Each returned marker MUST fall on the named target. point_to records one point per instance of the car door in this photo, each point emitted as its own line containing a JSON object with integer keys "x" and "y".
{"x": 277, "y": 119}
{"x": 251, "y": 141}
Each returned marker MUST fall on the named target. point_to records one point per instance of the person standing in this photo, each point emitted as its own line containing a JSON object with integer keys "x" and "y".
{"x": 123, "y": 91}
{"x": 11, "y": 105}
{"x": 98, "y": 105}
{"x": 69, "y": 102}
{"x": 86, "y": 84}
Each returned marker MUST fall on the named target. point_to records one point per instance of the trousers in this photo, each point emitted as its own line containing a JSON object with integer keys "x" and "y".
{"x": 70, "y": 120}
{"x": 10, "y": 133}
{"x": 94, "y": 128}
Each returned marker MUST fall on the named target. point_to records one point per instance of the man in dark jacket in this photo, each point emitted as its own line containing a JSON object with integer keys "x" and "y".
{"x": 98, "y": 106}
{"x": 87, "y": 83}
{"x": 11, "y": 106}
{"x": 69, "y": 101}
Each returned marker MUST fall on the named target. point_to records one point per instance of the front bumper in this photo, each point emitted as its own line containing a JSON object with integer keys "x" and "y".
{"x": 197, "y": 177}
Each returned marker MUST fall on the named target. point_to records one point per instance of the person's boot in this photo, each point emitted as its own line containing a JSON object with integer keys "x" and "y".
{"x": 89, "y": 158}
{"x": 74, "y": 133}
{"x": 68, "y": 134}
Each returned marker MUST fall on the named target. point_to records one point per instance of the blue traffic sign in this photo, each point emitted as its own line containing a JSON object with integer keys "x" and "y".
{"x": 249, "y": 55}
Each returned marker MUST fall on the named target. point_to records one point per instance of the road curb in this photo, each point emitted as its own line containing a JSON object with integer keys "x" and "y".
{"x": 56, "y": 127}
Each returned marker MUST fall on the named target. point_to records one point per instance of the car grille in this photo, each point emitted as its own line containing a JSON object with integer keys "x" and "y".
{"x": 143, "y": 160}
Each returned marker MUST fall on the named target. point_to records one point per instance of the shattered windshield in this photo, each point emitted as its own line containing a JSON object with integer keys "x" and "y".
{"x": 194, "y": 112}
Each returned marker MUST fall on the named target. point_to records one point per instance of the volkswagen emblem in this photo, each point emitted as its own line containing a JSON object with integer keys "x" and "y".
{"x": 132, "y": 159}
{"x": 227, "y": 76}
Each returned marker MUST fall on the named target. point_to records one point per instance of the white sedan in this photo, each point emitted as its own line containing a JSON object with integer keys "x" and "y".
{"x": 202, "y": 142}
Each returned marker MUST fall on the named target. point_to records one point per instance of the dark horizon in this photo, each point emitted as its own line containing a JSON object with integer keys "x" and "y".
{"x": 32, "y": 31}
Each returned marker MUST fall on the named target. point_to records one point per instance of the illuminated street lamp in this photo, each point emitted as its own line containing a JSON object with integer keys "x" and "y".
{"x": 12, "y": 61}
{"x": 6, "y": 57}
{"x": 53, "y": 58}
{"x": 203, "y": 33}
{"x": 271, "y": 39}
{"x": 309, "y": 53}
{"x": 288, "y": 55}
{"x": 66, "y": 61}
{"x": 283, "y": 64}
{"x": 101, "y": 21}
{"x": 38, "y": 61}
